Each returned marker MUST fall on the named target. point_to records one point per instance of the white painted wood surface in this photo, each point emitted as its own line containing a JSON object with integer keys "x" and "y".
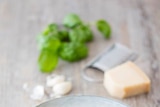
{"x": 135, "y": 23}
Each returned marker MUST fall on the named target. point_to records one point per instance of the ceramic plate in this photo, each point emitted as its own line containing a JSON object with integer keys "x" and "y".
{"x": 82, "y": 101}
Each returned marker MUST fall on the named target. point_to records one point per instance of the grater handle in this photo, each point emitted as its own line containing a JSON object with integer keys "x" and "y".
{"x": 87, "y": 77}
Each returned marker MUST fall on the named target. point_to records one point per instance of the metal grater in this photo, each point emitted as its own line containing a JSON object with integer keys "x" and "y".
{"x": 111, "y": 57}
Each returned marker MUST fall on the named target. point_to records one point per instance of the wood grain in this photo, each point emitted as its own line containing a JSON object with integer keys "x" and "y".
{"x": 135, "y": 23}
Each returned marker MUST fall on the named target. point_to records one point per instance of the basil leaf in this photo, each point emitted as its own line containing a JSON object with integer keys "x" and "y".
{"x": 81, "y": 34}
{"x": 72, "y": 20}
{"x": 47, "y": 61}
{"x": 48, "y": 42}
{"x": 63, "y": 35}
{"x": 50, "y": 28}
{"x": 104, "y": 28}
{"x": 73, "y": 51}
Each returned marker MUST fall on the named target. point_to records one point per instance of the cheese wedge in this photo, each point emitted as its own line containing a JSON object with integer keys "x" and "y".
{"x": 126, "y": 80}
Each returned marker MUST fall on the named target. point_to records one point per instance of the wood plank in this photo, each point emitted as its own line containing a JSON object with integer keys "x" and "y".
{"x": 142, "y": 41}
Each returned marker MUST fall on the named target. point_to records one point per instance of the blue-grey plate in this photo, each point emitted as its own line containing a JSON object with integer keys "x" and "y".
{"x": 82, "y": 101}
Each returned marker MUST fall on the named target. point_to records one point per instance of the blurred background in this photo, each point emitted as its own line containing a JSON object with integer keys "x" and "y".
{"x": 134, "y": 23}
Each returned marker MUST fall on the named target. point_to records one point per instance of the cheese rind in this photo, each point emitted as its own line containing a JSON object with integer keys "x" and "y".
{"x": 126, "y": 80}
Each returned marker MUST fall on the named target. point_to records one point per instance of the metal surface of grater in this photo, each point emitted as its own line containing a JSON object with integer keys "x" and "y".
{"x": 113, "y": 56}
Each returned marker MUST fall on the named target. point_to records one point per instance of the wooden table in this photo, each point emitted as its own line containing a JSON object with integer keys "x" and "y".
{"x": 135, "y": 23}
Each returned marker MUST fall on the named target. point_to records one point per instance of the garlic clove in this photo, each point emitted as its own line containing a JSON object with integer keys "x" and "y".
{"x": 62, "y": 88}
{"x": 51, "y": 82}
{"x": 37, "y": 93}
{"x": 51, "y": 76}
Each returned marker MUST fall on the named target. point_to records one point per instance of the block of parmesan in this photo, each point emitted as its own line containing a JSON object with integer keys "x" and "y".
{"x": 126, "y": 80}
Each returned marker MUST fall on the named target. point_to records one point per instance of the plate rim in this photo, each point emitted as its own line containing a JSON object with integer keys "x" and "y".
{"x": 105, "y": 98}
